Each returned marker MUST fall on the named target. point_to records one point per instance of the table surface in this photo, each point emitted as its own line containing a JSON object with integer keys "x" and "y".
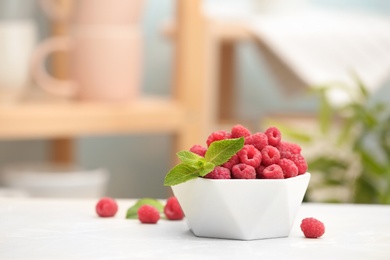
{"x": 70, "y": 229}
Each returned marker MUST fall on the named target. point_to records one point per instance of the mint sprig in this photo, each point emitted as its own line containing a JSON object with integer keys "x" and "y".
{"x": 132, "y": 212}
{"x": 193, "y": 165}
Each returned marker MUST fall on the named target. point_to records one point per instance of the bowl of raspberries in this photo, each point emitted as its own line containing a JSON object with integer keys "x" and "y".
{"x": 240, "y": 185}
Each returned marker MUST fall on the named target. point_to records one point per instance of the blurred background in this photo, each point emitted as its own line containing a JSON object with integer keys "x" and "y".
{"x": 280, "y": 54}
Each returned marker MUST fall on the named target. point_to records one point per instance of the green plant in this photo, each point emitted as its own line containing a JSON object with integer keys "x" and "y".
{"x": 349, "y": 154}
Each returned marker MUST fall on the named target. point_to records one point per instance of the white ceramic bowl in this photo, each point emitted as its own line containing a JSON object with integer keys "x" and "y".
{"x": 56, "y": 181}
{"x": 241, "y": 209}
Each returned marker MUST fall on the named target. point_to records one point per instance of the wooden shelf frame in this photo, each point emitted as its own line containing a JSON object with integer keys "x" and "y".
{"x": 74, "y": 119}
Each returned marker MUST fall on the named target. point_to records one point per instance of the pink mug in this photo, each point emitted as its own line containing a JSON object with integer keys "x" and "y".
{"x": 105, "y": 63}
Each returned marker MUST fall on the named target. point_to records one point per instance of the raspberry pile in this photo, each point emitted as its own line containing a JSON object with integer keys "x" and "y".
{"x": 264, "y": 156}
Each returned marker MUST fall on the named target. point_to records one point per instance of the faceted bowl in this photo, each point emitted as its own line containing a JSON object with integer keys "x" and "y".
{"x": 241, "y": 209}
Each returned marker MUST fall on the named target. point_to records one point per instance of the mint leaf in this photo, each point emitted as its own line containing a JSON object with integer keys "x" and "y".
{"x": 188, "y": 157}
{"x": 181, "y": 173}
{"x": 132, "y": 212}
{"x": 220, "y": 152}
{"x": 207, "y": 168}
{"x": 192, "y": 159}
{"x": 193, "y": 165}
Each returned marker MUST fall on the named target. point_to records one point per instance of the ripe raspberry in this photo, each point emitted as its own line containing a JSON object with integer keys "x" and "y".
{"x": 259, "y": 171}
{"x": 199, "y": 150}
{"x": 250, "y": 155}
{"x": 172, "y": 209}
{"x": 148, "y": 214}
{"x": 289, "y": 168}
{"x": 219, "y": 173}
{"x": 312, "y": 228}
{"x": 273, "y": 171}
{"x": 300, "y": 162}
{"x": 106, "y": 207}
{"x": 239, "y": 131}
{"x": 283, "y": 150}
{"x": 293, "y": 148}
{"x": 270, "y": 155}
{"x": 217, "y": 136}
{"x": 258, "y": 140}
{"x": 232, "y": 161}
{"x": 287, "y": 149}
{"x": 274, "y": 136}
{"x": 243, "y": 171}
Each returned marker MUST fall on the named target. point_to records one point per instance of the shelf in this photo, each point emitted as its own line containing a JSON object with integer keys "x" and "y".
{"x": 222, "y": 30}
{"x": 72, "y": 119}
{"x": 186, "y": 115}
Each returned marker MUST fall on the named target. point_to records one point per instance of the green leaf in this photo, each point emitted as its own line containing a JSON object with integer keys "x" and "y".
{"x": 193, "y": 166}
{"x": 181, "y": 173}
{"x": 208, "y": 167}
{"x": 132, "y": 212}
{"x": 327, "y": 164}
{"x": 365, "y": 191}
{"x": 221, "y": 151}
{"x": 294, "y": 134}
{"x": 362, "y": 87}
{"x": 325, "y": 114}
{"x": 384, "y": 138}
{"x": 346, "y": 130}
{"x": 188, "y": 157}
{"x": 370, "y": 163}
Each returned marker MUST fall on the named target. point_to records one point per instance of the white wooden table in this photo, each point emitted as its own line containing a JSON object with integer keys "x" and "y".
{"x": 70, "y": 229}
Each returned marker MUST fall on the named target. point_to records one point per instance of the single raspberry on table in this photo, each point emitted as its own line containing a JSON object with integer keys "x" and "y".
{"x": 258, "y": 140}
{"x": 217, "y": 136}
{"x": 106, "y": 207}
{"x": 219, "y": 172}
{"x": 250, "y": 155}
{"x": 243, "y": 171}
{"x": 274, "y": 136}
{"x": 239, "y": 131}
{"x": 288, "y": 167}
{"x": 270, "y": 155}
{"x": 148, "y": 214}
{"x": 232, "y": 161}
{"x": 300, "y": 162}
{"x": 312, "y": 228}
{"x": 172, "y": 209}
{"x": 199, "y": 150}
{"x": 273, "y": 171}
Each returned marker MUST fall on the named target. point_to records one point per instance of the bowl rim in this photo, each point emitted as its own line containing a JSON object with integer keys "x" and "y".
{"x": 303, "y": 175}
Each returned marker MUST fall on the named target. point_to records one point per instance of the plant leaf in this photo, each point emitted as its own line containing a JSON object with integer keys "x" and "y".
{"x": 221, "y": 151}
{"x": 132, "y": 212}
{"x": 287, "y": 131}
{"x": 346, "y": 130}
{"x": 325, "y": 113}
{"x": 181, "y": 173}
{"x": 208, "y": 167}
{"x": 362, "y": 87}
{"x": 370, "y": 163}
{"x": 326, "y": 164}
{"x": 188, "y": 157}
{"x": 384, "y": 137}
